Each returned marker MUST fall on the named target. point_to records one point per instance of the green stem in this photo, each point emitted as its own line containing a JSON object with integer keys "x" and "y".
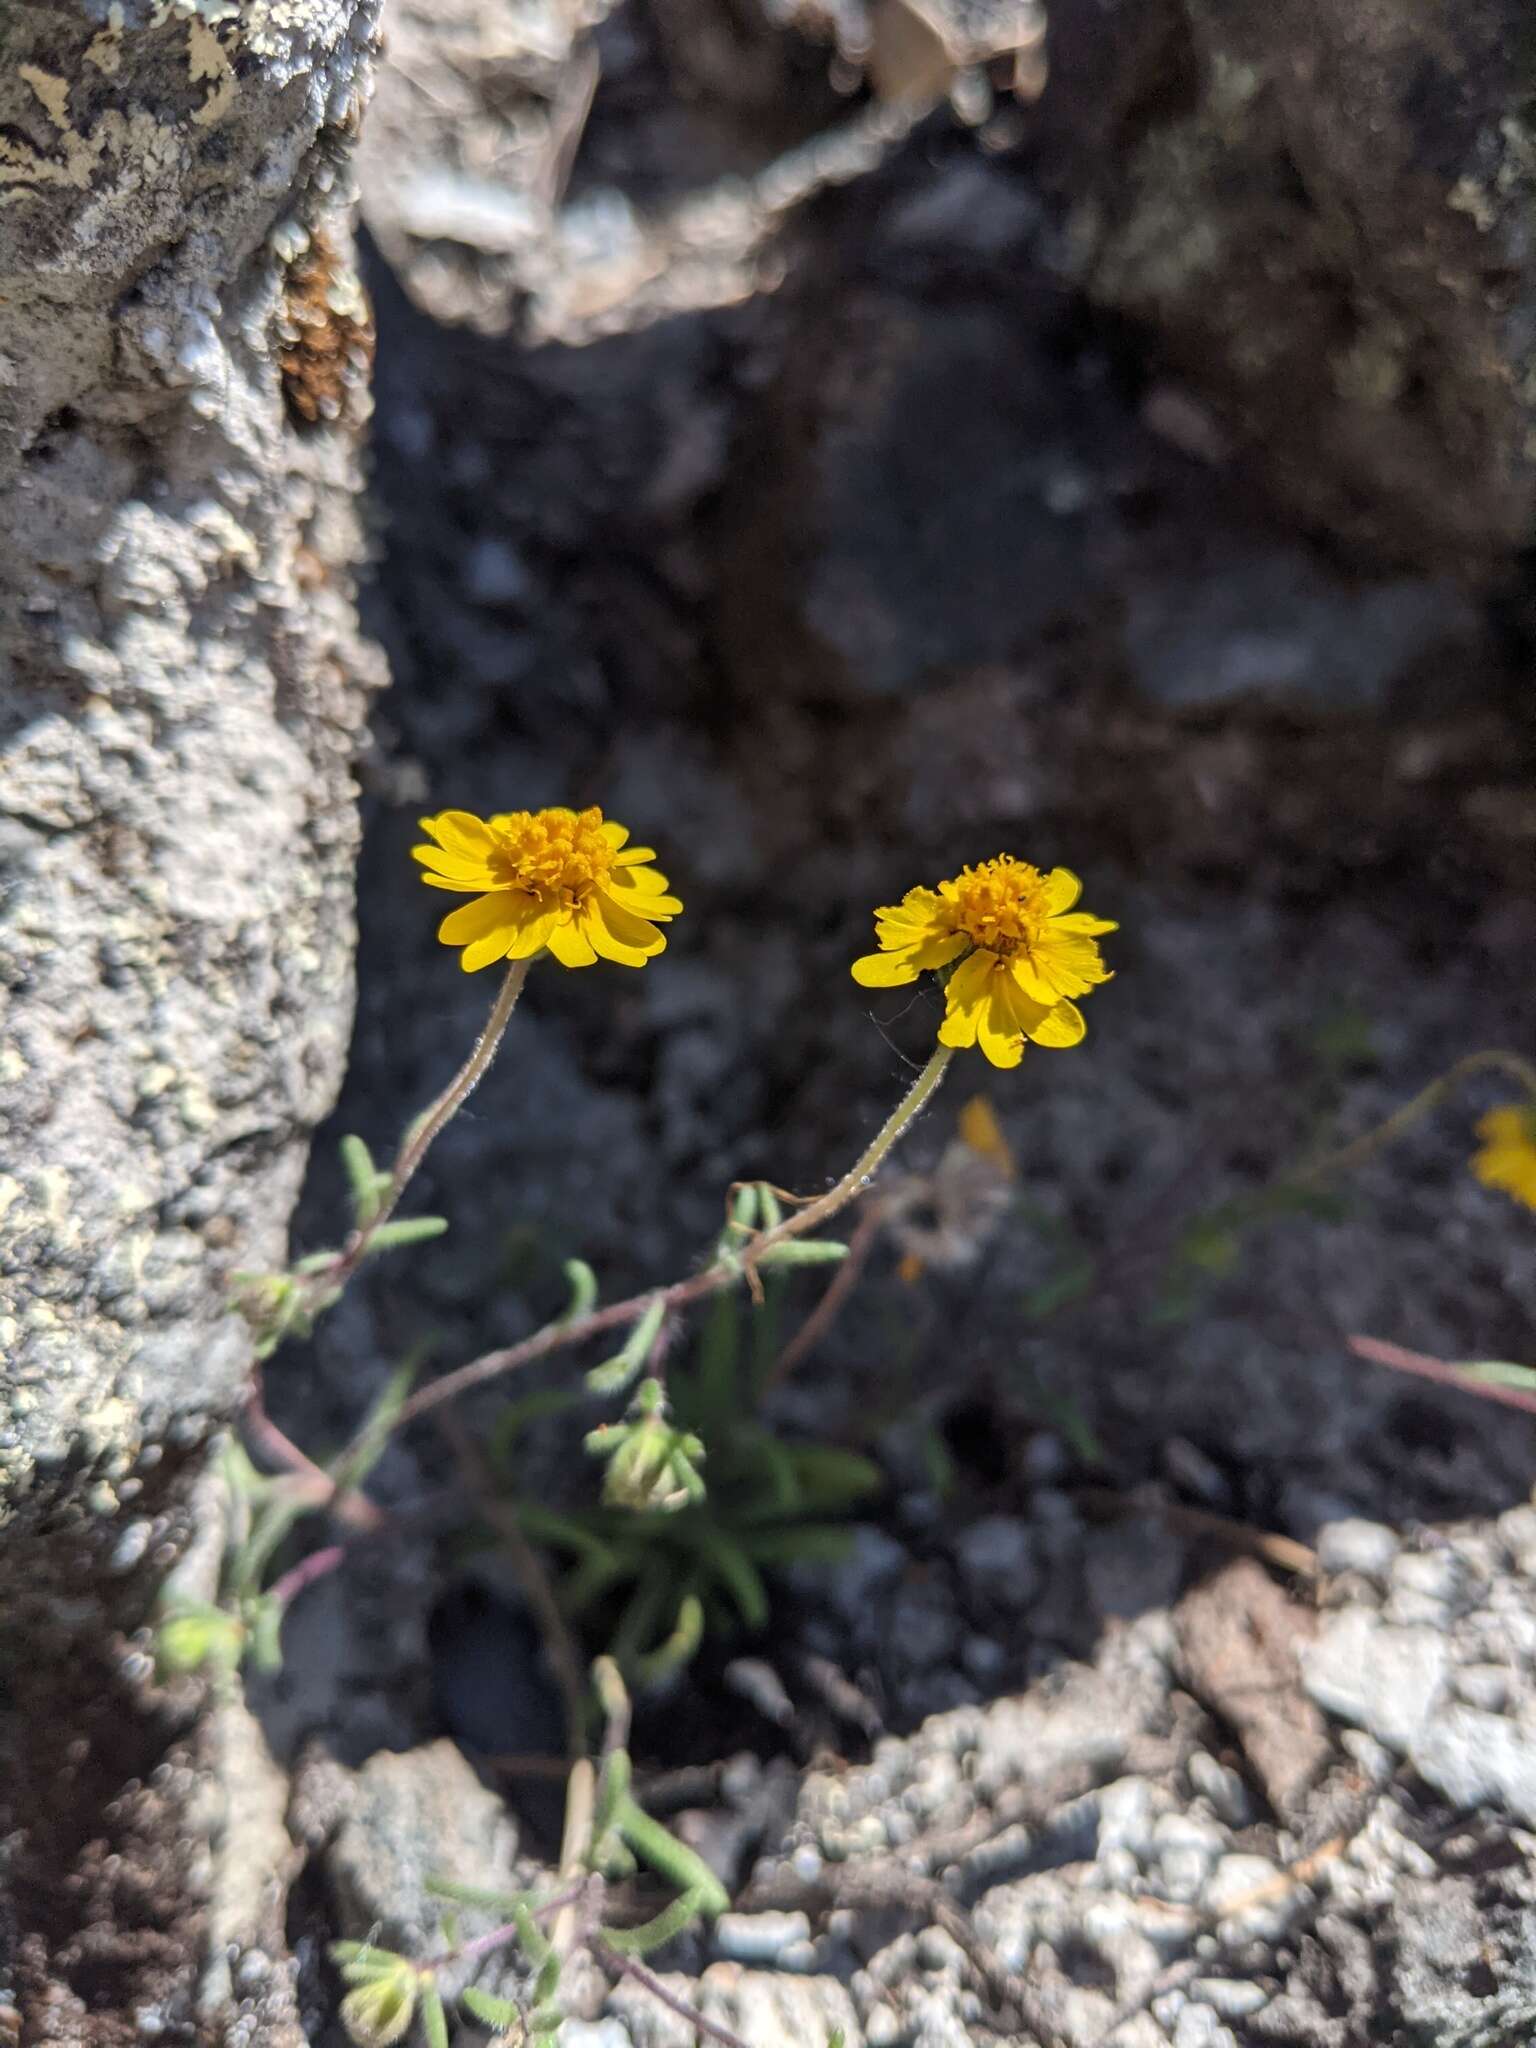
{"x": 1414, "y": 1111}
{"x": 869, "y": 1161}
{"x": 329, "y": 1281}
{"x": 565, "y": 1330}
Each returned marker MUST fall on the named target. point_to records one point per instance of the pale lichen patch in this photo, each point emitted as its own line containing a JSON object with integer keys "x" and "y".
{"x": 52, "y": 93}
{"x": 206, "y": 60}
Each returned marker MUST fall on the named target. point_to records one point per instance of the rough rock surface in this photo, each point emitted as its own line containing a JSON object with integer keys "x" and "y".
{"x": 1321, "y": 213}
{"x": 1094, "y": 1859}
{"x": 184, "y": 349}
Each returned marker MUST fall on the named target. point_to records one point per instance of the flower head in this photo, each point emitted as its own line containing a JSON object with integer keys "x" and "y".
{"x": 1017, "y": 950}
{"x": 563, "y": 880}
{"x": 1508, "y": 1158}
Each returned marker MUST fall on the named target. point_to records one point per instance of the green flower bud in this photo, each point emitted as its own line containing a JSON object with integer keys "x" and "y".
{"x": 191, "y": 1636}
{"x": 378, "y": 2013}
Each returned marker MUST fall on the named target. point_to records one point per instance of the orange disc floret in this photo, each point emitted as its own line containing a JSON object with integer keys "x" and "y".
{"x": 565, "y": 882}
{"x": 1017, "y": 951}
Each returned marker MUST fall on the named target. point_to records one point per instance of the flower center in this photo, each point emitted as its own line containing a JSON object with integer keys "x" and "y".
{"x": 1000, "y": 905}
{"x": 561, "y": 854}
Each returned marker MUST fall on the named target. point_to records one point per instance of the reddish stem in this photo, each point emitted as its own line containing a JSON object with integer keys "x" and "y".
{"x": 305, "y": 1573}
{"x": 1442, "y": 1372}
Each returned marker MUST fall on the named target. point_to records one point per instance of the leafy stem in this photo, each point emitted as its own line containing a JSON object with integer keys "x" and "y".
{"x": 727, "y": 1268}
{"x": 323, "y": 1285}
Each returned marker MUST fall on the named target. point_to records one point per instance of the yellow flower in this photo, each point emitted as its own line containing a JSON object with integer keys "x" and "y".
{"x": 1508, "y": 1158}
{"x": 1018, "y": 952}
{"x": 565, "y": 880}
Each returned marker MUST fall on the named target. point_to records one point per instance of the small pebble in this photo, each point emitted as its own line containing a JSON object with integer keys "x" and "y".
{"x": 1355, "y": 1545}
{"x": 1483, "y": 1685}
{"x": 130, "y": 1546}
{"x": 1199, "y": 2027}
{"x": 1231, "y": 1997}
{"x": 1239, "y": 1879}
{"x": 759, "y": 1937}
{"x": 1222, "y": 1787}
{"x": 882, "y": 2028}
{"x": 1518, "y": 1529}
{"x": 937, "y": 1950}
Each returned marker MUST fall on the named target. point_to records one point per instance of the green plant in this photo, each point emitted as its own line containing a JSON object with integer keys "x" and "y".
{"x": 699, "y": 1496}
{"x": 244, "y": 1621}
{"x": 608, "y": 1837}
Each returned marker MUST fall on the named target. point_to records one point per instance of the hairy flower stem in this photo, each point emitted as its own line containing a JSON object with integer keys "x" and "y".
{"x": 864, "y": 1168}
{"x": 564, "y": 1331}
{"x": 1414, "y": 1111}
{"x": 423, "y": 1132}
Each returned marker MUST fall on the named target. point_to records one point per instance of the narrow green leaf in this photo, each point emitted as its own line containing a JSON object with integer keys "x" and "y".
{"x": 503, "y": 1903}
{"x": 680, "y": 1648}
{"x": 1499, "y": 1373}
{"x": 615, "y": 1374}
{"x": 434, "y": 2021}
{"x": 582, "y": 1282}
{"x": 499, "y": 2013}
{"x": 406, "y": 1230}
{"x": 731, "y": 1564}
{"x": 799, "y": 1543}
{"x": 830, "y": 1477}
{"x": 353, "y": 1467}
{"x": 797, "y": 1251}
{"x": 667, "y": 1925}
{"x": 363, "y": 1178}
{"x": 716, "y": 1378}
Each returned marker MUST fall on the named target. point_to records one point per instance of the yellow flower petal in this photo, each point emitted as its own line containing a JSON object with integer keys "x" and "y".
{"x": 982, "y": 1134}
{"x": 1022, "y": 951}
{"x": 1003, "y": 1046}
{"x": 634, "y": 934}
{"x": 959, "y": 1028}
{"x": 966, "y": 995}
{"x": 1062, "y": 1026}
{"x": 460, "y": 832}
{"x": 1062, "y": 889}
{"x": 1057, "y": 967}
{"x": 457, "y": 867}
{"x": 884, "y": 970}
{"x": 559, "y": 878}
{"x": 1508, "y": 1158}
{"x": 647, "y": 886}
{"x": 571, "y": 947}
{"x": 467, "y": 888}
{"x": 919, "y": 907}
{"x": 475, "y": 920}
{"x": 533, "y": 936}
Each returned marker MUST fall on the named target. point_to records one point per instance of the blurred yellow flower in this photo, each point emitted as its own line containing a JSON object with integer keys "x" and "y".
{"x": 565, "y": 881}
{"x": 1508, "y": 1158}
{"x": 1017, "y": 949}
